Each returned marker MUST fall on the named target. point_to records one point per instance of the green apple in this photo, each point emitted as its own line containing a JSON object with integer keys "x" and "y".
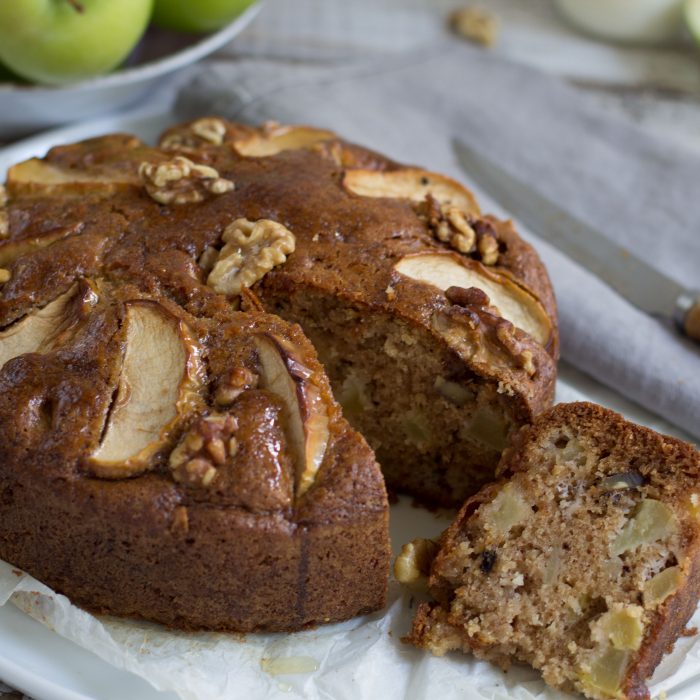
{"x": 62, "y": 41}
{"x": 691, "y": 11}
{"x": 7, "y": 76}
{"x": 197, "y": 15}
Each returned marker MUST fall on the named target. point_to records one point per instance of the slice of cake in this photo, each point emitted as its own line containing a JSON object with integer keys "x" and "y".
{"x": 581, "y": 561}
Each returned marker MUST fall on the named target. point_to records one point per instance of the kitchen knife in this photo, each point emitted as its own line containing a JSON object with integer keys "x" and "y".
{"x": 637, "y": 281}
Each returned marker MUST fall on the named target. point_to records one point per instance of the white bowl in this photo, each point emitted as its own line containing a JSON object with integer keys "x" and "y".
{"x": 29, "y": 108}
{"x": 636, "y": 21}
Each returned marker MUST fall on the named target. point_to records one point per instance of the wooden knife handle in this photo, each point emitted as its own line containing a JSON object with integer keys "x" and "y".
{"x": 687, "y": 313}
{"x": 691, "y": 321}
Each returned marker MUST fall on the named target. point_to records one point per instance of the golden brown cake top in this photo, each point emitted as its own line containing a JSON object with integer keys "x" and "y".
{"x": 132, "y": 339}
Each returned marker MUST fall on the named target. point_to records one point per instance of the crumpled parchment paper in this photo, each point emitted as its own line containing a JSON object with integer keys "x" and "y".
{"x": 360, "y": 659}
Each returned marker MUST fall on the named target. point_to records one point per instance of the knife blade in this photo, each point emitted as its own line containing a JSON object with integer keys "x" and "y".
{"x": 636, "y": 280}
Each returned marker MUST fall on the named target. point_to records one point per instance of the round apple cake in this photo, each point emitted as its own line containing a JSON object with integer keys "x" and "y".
{"x": 170, "y": 444}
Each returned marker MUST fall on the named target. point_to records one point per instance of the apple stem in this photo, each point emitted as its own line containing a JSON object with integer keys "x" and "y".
{"x": 78, "y": 7}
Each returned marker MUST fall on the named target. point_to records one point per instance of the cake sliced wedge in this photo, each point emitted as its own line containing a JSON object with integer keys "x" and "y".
{"x": 582, "y": 560}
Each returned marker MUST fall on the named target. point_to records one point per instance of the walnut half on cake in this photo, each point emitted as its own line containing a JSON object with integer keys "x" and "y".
{"x": 583, "y": 560}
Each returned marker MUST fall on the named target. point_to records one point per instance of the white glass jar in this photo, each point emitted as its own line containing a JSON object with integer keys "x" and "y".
{"x": 643, "y": 21}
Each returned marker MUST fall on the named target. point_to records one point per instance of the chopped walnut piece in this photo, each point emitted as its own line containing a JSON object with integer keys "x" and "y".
{"x": 622, "y": 480}
{"x": 478, "y": 304}
{"x": 251, "y": 250}
{"x": 505, "y": 332}
{"x": 467, "y": 235}
{"x": 527, "y": 362}
{"x": 475, "y": 24}
{"x": 180, "y": 141}
{"x": 487, "y": 241}
{"x": 239, "y": 380}
{"x": 472, "y": 296}
{"x": 181, "y": 181}
{"x": 448, "y": 223}
{"x": 207, "y": 259}
{"x": 412, "y": 565}
{"x": 464, "y": 238}
{"x": 180, "y": 522}
{"x": 205, "y": 446}
{"x": 210, "y": 129}
{"x": 488, "y": 249}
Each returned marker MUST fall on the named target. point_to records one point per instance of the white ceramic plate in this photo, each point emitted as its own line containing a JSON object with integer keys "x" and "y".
{"x": 29, "y": 108}
{"x": 46, "y": 666}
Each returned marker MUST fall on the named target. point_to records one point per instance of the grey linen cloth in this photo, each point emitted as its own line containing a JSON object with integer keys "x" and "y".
{"x": 641, "y": 192}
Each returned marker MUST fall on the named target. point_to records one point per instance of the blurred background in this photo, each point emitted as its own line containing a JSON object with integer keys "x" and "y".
{"x": 637, "y": 58}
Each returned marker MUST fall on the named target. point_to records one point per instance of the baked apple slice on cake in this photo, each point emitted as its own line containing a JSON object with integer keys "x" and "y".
{"x": 159, "y": 387}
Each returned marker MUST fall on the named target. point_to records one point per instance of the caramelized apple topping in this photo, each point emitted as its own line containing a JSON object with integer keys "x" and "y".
{"x": 46, "y": 328}
{"x": 511, "y": 301}
{"x": 43, "y": 177}
{"x": 161, "y": 376}
{"x": 417, "y": 186}
{"x": 274, "y": 138}
{"x": 307, "y": 423}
